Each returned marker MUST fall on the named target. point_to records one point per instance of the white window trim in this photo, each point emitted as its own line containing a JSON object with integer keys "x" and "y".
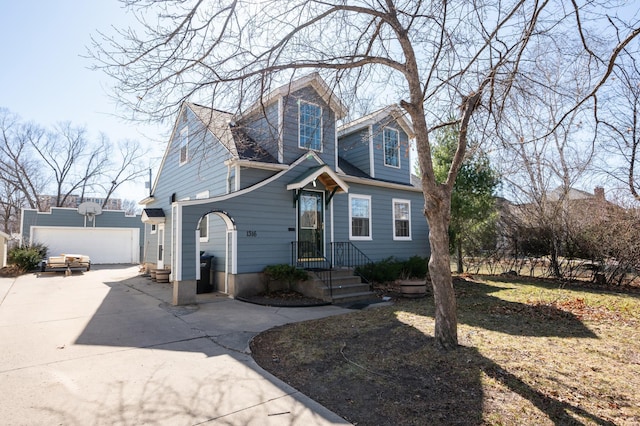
{"x": 300, "y": 102}
{"x": 205, "y": 239}
{"x": 184, "y": 141}
{"x": 357, "y": 237}
{"x": 393, "y": 214}
{"x": 200, "y": 196}
{"x": 153, "y": 228}
{"x": 384, "y": 146}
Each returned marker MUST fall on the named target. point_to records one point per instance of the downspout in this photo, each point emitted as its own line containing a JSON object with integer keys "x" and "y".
{"x": 281, "y": 129}
{"x": 372, "y": 167}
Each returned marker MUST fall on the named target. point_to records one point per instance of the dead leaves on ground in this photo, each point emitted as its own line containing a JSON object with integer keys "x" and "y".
{"x": 562, "y": 309}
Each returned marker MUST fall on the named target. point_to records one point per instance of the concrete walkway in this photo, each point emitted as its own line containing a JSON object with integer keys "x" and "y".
{"x": 106, "y": 348}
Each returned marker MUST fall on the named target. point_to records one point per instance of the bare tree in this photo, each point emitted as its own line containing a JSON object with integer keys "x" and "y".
{"x": 12, "y": 201}
{"x": 126, "y": 168}
{"x": 544, "y": 161}
{"x": 19, "y": 170}
{"x": 130, "y": 207}
{"x": 73, "y": 162}
{"x": 436, "y": 58}
{"x": 620, "y": 119}
{"x": 34, "y": 161}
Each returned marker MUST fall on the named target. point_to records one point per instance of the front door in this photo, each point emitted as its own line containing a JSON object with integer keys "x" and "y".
{"x": 161, "y": 246}
{"x": 311, "y": 225}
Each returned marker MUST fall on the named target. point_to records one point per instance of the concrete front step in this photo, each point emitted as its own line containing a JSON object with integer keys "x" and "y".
{"x": 353, "y": 297}
{"x": 342, "y": 273}
{"x": 346, "y": 287}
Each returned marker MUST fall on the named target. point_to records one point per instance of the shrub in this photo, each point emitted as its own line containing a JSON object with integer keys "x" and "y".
{"x": 391, "y": 269}
{"x": 285, "y": 273}
{"x": 27, "y": 258}
{"x": 415, "y": 267}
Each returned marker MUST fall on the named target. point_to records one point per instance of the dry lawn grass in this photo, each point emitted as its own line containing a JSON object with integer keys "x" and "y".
{"x": 531, "y": 353}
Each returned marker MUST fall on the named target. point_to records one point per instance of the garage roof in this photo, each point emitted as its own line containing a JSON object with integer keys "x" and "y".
{"x": 153, "y": 216}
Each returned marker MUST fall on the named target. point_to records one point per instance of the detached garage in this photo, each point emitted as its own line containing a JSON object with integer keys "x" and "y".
{"x": 108, "y": 237}
{"x": 102, "y": 245}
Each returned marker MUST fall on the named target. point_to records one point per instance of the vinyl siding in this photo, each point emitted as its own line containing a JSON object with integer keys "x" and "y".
{"x": 266, "y": 220}
{"x": 263, "y": 128}
{"x": 393, "y": 174}
{"x": 382, "y": 245}
{"x": 292, "y": 151}
{"x": 204, "y": 171}
{"x": 355, "y": 149}
{"x": 250, "y": 176}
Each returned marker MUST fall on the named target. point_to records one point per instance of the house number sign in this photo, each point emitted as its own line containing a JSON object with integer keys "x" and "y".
{"x": 252, "y": 233}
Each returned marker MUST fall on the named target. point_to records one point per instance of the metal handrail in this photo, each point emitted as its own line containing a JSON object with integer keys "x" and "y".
{"x": 345, "y": 254}
{"x": 305, "y": 255}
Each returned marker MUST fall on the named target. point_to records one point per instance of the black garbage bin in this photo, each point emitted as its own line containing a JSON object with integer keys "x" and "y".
{"x": 207, "y": 268}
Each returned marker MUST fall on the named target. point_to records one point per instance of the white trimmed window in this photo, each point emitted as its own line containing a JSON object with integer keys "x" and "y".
{"x": 401, "y": 219}
{"x": 204, "y": 223}
{"x": 360, "y": 217}
{"x": 184, "y": 145}
{"x": 391, "y": 147}
{"x": 204, "y": 229}
{"x": 154, "y": 228}
{"x": 309, "y": 126}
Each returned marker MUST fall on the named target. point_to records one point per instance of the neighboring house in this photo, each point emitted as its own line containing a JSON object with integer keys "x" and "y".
{"x": 4, "y": 242}
{"x": 109, "y": 237}
{"x": 73, "y": 201}
{"x": 559, "y": 208}
{"x": 282, "y": 184}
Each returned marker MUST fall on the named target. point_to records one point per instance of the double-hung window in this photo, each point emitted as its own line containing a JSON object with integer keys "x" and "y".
{"x": 391, "y": 147}
{"x": 204, "y": 229}
{"x": 401, "y": 219}
{"x": 360, "y": 217}
{"x": 204, "y": 222}
{"x": 184, "y": 145}
{"x": 310, "y": 126}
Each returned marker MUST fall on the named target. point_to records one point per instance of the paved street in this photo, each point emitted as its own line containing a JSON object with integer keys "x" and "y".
{"x": 106, "y": 347}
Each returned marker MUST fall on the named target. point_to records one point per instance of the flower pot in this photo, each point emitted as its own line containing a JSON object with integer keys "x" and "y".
{"x": 162, "y": 275}
{"x": 413, "y": 289}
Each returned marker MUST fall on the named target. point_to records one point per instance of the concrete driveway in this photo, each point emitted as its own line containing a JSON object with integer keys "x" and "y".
{"x": 106, "y": 347}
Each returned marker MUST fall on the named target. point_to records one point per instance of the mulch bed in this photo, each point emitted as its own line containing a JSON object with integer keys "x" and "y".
{"x": 286, "y": 299}
{"x": 10, "y": 272}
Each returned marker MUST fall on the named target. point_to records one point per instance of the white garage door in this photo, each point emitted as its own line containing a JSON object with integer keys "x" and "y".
{"x": 102, "y": 245}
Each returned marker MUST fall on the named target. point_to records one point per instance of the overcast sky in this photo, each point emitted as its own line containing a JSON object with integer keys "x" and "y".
{"x": 45, "y": 79}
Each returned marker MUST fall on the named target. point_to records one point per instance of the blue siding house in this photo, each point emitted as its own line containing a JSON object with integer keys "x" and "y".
{"x": 283, "y": 183}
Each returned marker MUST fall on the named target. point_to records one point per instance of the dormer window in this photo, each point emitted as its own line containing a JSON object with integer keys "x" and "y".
{"x": 310, "y": 126}
{"x": 391, "y": 147}
{"x": 184, "y": 145}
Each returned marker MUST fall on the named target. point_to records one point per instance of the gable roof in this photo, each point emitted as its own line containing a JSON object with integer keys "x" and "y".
{"x": 249, "y": 149}
{"x": 571, "y": 194}
{"x": 217, "y": 122}
{"x": 391, "y": 113}
{"x": 324, "y": 174}
{"x": 350, "y": 169}
{"x": 313, "y": 80}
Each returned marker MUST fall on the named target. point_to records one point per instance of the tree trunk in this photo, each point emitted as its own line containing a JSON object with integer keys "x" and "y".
{"x": 460, "y": 268}
{"x": 446, "y": 327}
{"x": 555, "y": 265}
